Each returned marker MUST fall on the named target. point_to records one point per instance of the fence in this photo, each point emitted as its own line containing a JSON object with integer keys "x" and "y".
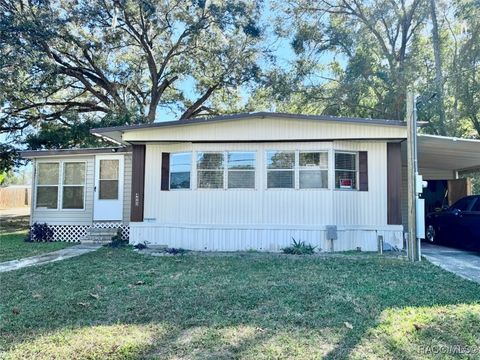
{"x": 14, "y": 196}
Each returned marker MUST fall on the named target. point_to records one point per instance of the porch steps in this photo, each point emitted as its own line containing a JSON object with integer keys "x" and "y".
{"x": 99, "y": 235}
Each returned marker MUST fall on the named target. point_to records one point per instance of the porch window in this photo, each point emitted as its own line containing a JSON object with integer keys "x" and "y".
{"x": 346, "y": 170}
{"x": 180, "y": 165}
{"x": 280, "y": 169}
{"x": 210, "y": 167}
{"x": 241, "y": 170}
{"x": 47, "y": 185}
{"x": 73, "y": 189}
{"x": 313, "y": 170}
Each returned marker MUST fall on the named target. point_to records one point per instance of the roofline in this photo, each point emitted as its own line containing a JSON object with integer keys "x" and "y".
{"x": 449, "y": 138}
{"x": 242, "y": 116}
{"x": 66, "y": 152}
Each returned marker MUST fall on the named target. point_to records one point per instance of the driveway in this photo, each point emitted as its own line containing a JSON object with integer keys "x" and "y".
{"x": 462, "y": 263}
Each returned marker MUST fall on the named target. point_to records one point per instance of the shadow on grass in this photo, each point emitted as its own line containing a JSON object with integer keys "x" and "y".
{"x": 13, "y": 224}
{"x": 227, "y": 307}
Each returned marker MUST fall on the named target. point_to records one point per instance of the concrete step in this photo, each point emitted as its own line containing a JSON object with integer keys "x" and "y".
{"x": 102, "y": 231}
{"x": 99, "y": 235}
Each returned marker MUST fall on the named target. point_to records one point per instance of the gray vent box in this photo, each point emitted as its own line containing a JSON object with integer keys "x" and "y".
{"x": 332, "y": 232}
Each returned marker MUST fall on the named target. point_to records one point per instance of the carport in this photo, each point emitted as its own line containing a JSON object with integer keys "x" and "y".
{"x": 440, "y": 160}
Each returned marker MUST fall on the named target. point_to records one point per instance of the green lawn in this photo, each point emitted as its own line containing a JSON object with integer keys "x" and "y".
{"x": 114, "y": 303}
{"x": 13, "y": 246}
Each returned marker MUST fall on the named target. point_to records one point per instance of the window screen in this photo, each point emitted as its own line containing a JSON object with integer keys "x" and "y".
{"x": 180, "y": 167}
{"x": 73, "y": 185}
{"x": 280, "y": 169}
{"x": 47, "y": 185}
{"x": 210, "y": 167}
{"x": 345, "y": 170}
{"x": 241, "y": 170}
{"x": 313, "y": 170}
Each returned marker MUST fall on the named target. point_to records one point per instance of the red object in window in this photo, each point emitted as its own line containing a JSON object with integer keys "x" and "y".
{"x": 345, "y": 183}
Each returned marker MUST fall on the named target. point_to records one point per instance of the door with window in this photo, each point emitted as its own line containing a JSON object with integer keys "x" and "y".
{"x": 108, "y": 198}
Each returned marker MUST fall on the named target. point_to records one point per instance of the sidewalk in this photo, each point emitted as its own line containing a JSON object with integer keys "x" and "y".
{"x": 48, "y": 257}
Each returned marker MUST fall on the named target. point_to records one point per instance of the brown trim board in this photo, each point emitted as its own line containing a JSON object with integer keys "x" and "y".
{"x": 394, "y": 184}
{"x": 138, "y": 183}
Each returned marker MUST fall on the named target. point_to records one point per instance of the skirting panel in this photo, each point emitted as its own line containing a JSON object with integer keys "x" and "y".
{"x": 75, "y": 233}
{"x": 262, "y": 239}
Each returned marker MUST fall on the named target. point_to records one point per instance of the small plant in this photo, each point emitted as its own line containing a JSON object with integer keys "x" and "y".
{"x": 141, "y": 246}
{"x": 117, "y": 240}
{"x": 40, "y": 233}
{"x": 299, "y": 248}
{"x": 175, "y": 251}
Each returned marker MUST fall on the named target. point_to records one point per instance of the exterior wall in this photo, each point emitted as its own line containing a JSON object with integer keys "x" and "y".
{"x": 67, "y": 217}
{"x": 84, "y": 218}
{"x": 268, "y": 129}
{"x": 265, "y": 219}
{"x": 262, "y": 238}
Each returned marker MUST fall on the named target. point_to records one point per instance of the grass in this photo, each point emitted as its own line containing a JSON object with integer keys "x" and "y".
{"x": 117, "y": 304}
{"x": 13, "y": 246}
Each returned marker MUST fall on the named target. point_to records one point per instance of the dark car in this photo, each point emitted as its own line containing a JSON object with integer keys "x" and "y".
{"x": 456, "y": 226}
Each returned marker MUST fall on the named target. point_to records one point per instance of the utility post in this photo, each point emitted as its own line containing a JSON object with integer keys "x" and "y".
{"x": 413, "y": 245}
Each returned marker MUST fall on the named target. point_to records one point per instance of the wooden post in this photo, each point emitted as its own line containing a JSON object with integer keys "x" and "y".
{"x": 413, "y": 245}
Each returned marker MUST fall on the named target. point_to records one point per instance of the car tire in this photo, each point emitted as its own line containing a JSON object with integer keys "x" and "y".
{"x": 431, "y": 233}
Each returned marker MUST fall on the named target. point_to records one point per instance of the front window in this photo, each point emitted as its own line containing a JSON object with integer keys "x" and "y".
{"x": 313, "y": 170}
{"x": 47, "y": 185}
{"x": 73, "y": 185}
{"x": 210, "y": 167}
{"x": 280, "y": 169}
{"x": 180, "y": 165}
{"x": 241, "y": 170}
{"x": 346, "y": 170}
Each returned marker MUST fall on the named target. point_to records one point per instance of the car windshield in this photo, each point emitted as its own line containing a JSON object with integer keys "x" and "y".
{"x": 462, "y": 204}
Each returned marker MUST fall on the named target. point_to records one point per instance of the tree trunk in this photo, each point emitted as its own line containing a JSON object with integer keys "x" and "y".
{"x": 438, "y": 69}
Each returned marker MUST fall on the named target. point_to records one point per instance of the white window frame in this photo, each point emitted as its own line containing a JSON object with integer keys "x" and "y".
{"x": 327, "y": 169}
{"x": 296, "y": 169}
{"x": 357, "y": 177}
{"x": 225, "y": 170}
{"x": 197, "y": 170}
{"x": 60, "y": 184}
{"x": 84, "y": 184}
{"x": 254, "y": 170}
{"x": 191, "y": 170}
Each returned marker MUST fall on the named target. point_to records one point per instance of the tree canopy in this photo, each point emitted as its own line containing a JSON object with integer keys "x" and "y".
{"x": 69, "y": 65}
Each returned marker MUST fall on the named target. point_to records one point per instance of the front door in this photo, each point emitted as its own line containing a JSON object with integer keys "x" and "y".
{"x": 108, "y": 198}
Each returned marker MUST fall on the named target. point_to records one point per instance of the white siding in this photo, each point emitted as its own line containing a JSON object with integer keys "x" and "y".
{"x": 265, "y": 218}
{"x": 272, "y": 206}
{"x": 82, "y": 217}
{"x": 267, "y": 129}
{"x": 68, "y": 217}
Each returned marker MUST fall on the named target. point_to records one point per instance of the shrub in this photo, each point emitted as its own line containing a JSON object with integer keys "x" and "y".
{"x": 117, "y": 240}
{"x": 141, "y": 246}
{"x": 40, "y": 233}
{"x": 299, "y": 248}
